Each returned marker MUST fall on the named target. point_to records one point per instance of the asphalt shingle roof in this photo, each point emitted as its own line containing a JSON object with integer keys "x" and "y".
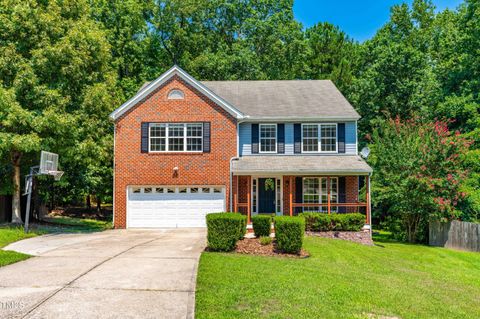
{"x": 284, "y": 99}
{"x": 302, "y": 164}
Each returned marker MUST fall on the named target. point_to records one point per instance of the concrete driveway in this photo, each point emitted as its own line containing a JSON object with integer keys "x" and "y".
{"x": 116, "y": 273}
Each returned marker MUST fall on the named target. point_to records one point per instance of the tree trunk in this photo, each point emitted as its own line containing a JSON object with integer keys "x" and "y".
{"x": 99, "y": 205}
{"x": 89, "y": 203}
{"x": 16, "y": 210}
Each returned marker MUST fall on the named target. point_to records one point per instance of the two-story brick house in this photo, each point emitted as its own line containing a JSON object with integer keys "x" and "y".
{"x": 185, "y": 148}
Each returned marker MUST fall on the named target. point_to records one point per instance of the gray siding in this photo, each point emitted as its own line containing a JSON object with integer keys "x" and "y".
{"x": 245, "y": 139}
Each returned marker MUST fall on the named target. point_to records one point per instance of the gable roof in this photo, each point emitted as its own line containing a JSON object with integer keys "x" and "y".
{"x": 286, "y": 99}
{"x": 148, "y": 88}
{"x": 293, "y": 100}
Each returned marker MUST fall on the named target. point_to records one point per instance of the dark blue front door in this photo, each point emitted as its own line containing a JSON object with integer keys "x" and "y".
{"x": 266, "y": 197}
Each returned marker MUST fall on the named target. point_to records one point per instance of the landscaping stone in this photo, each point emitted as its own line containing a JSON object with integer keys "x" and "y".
{"x": 362, "y": 237}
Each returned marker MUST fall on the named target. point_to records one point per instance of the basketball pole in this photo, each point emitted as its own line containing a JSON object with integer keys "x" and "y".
{"x": 29, "y": 197}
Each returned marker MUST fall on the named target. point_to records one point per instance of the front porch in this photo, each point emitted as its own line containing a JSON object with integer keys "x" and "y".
{"x": 319, "y": 189}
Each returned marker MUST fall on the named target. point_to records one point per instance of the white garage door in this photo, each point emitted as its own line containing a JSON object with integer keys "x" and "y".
{"x": 173, "y": 206}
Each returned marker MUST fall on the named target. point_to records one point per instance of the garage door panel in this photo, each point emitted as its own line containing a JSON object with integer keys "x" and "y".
{"x": 172, "y": 209}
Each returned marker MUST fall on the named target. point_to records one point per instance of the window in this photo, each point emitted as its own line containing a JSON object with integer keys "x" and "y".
{"x": 328, "y": 137}
{"x": 217, "y": 190}
{"x": 136, "y": 190}
{"x": 194, "y": 190}
{"x": 147, "y": 190}
{"x": 310, "y": 137}
{"x": 182, "y": 190}
{"x": 176, "y": 137}
{"x": 159, "y": 190}
{"x": 176, "y": 94}
{"x": 268, "y": 138}
{"x": 313, "y": 193}
{"x": 319, "y": 137}
{"x": 205, "y": 190}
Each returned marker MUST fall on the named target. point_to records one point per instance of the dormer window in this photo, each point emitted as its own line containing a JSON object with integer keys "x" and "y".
{"x": 176, "y": 94}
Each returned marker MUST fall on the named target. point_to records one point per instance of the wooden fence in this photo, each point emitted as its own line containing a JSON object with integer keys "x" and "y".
{"x": 455, "y": 234}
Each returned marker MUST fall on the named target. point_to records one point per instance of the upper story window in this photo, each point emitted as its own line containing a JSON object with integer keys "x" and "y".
{"x": 268, "y": 138}
{"x": 175, "y": 137}
{"x": 319, "y": 138}
{"x": 176, "y": 94}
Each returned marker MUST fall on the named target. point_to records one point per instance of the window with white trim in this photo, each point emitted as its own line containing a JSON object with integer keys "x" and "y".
{"x": 268, "y": 138}
{"x": 176, "y": 137}
{"x": 315, "y": 190}
{"x": 319, "y": 138}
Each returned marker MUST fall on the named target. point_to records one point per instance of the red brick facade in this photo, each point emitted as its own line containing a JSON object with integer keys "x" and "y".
{"x": 135, "y": 168}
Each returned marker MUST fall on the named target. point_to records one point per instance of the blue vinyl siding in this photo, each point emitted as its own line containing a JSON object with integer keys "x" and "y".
{"x": 245, "y": 139}
{"x": 350, "y": 138}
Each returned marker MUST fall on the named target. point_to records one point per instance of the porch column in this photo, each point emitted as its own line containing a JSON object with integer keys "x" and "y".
{"x": 328, "y": 195}
{"x": 368, "y": 200}
{"x": 235, "y": 195}
{"x": 249, "y": 191}
{"x": 290, "y": 194}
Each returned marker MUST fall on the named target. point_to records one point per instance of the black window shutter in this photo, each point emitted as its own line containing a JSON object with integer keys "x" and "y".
{"x": 281, "y": 138}
{"x": 298, "y": 193}
{"x": 342, "y": 194}
{"x": 341, "y": 137}
{"x": 144, "y": 137}
{"x": 206, "y": 137}
{"x": 297, "y": 138}
{"x": 254, "y": 138}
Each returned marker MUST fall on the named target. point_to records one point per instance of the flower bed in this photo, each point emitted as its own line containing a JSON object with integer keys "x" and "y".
{"x": 252, "y": 246}
{"x": 361, "y": 237}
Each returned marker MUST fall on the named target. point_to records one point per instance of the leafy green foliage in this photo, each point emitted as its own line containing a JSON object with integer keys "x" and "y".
{"x": 261, "y": 225}
{"x": 265, "y": 240}
{"x": 289, "y": 233}
{"x": 224, "y": 229}
{"x": 315, "y": 221}
{"x": 418, "y": 173}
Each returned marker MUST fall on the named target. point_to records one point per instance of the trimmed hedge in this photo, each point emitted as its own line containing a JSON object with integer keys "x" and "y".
{"x": 289, "y": 233}
{"x": 224, "y": 230}
{"x": 315, "y": 221}
{"x": 261, "y": 225}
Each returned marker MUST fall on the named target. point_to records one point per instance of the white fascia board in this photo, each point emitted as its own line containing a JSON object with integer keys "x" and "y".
{"x": 175, "y": 70}
{"x": 303, "y": 173}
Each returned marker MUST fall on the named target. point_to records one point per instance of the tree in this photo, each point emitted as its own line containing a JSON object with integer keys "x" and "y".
{"x": 330, "y": 54}
{"x": 417, "y": 174}
{"x": 52, "y": 56}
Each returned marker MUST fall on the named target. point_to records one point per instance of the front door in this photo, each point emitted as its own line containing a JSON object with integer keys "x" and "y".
{"x": 266, "y": 195}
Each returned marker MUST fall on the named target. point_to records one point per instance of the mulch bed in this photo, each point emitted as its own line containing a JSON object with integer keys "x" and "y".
{"x": 252, "y": 246}
{"x": 361, "y": 237}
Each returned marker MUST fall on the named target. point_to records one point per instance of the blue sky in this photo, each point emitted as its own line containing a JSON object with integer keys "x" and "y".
{"x": 358, "y": 18}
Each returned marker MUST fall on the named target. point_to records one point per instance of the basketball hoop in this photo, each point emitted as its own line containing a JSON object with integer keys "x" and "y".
{"x": 48, "y": 166}
{"x": 57, "y": 175}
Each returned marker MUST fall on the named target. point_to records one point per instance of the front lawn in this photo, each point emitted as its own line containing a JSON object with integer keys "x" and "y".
{"x": 10, "y": 234}
{"x": 75, "y": 225}
{"x": 341, "y": 280}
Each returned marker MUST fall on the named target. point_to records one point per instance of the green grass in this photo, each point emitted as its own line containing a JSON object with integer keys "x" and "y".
{"x": 75, "y": 225}
{"x": 341, "y": 280}
{"x": 9, "y": 234}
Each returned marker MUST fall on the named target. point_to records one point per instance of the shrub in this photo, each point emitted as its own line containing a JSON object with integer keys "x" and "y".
{"x": 224, "y": 230}
{"x": 289, "y": 233}
{"x": 261, "y": 225}
{"x": 348, "y": 222}
{"x": 265, "y": 240}
{"x": 315, "y": 221}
